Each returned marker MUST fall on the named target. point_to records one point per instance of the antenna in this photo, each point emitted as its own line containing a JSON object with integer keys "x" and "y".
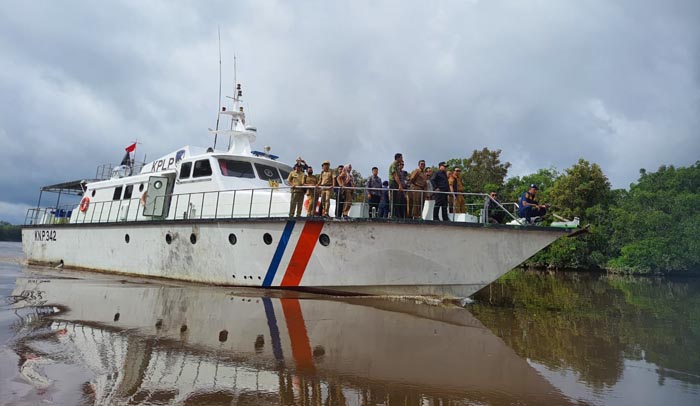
{"x": 235, "y": 95}
{"x": 218, "y": 113}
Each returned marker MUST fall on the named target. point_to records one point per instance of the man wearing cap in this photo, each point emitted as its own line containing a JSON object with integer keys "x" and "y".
{"x": 296, "y": 180}
{"x": 529, "y": 207}
{"x": 325, "y": 184}
{"x": 302, "y": 163}
{"x": 442, "y": 186}
{"x": 310, "y": 181}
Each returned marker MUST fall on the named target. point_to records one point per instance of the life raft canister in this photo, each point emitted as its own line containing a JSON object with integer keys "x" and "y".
{"x": 84, "y": 204}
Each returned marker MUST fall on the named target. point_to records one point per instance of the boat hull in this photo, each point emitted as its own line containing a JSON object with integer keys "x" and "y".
{"x": 335, "y": 256}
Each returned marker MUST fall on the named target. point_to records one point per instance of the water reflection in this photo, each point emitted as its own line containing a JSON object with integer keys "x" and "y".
{"x": 151, "y": 344}
{"x": 600, "y": 327}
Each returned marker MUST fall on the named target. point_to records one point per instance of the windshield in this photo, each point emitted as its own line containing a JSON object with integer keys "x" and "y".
{"x": 267, "y": 172}
{"x": 236, "y": 169}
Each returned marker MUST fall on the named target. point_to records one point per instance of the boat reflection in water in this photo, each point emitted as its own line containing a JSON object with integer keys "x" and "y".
{"x": 153, "y": 344}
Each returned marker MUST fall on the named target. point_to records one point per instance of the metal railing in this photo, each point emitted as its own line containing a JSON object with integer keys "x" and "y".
{"x": 276, "y": 202}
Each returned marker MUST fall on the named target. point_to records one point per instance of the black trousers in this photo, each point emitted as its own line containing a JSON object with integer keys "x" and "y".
{"x": 339, "y": 202}
{"x": 398, "y": 204}
{"x": 374, "y": 205}
{"x": 440, "y": 205}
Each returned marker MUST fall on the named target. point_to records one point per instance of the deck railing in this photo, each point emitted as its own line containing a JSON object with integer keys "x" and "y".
{"x": 272, "y": 202}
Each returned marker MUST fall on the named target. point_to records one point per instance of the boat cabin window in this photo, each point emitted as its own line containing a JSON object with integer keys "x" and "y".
{"x": 185, "y": 170}
{"x": 237, "y": 169}
{"x": 201, "y": 168}
{"x": 267, "y": 172}
{"x": 117, "y": 193}
{"x": 127, "y": 192}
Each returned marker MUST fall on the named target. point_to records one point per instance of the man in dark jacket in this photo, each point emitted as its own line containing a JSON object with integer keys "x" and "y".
{"x": 440, "y": 184}
{"x": 374, "y": 192}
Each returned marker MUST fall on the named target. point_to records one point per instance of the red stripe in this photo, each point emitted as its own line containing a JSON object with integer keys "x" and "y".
{"x": 301, "y": 347}
{"x": 302, "y": 253}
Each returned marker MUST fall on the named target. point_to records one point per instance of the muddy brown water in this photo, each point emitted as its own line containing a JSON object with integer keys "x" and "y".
{"x": 72, "y": 338}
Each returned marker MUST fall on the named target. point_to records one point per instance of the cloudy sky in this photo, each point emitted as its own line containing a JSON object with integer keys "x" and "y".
{"x": 546, "y": 81}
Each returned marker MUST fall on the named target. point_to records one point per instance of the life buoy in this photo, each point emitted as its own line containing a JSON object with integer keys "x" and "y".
{"x": 84, "y": 204}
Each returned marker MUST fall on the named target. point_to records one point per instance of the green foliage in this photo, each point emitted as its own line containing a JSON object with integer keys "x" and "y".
{"x": 656, "y": 225}
{"x": 581, "y": 187}
{"x": 8, "y": 232}
{"x": 482, "y": 170}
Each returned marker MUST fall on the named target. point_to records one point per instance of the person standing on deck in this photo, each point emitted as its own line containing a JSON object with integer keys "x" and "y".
{"x": 397, "y": 197}
{"x": 457, "y": 188}
{"x": 418, "y": 182}
{"x": 429, "y": 183}
{"x": 347, "y": 184}
{"x": 338, "y": 192}
{"x": 325, "y": 184}
{"x": 296, "y": 180}
{"x": 384, "y": 201}
{"x": 374, "y": 192}
{"x": 441, "y": 184}
{"x": 310, "y": 181}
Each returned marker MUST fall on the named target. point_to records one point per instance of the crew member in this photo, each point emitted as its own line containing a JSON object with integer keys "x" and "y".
{"x": 529, "y": 207}
{"x": 347, "y": 185}
{"x": 457, "y": 188}
{"x": 398, "y": 202}
{"x": 296, "y": 180}
{"x": 440, "y": 184}
{"x": 374, "y": 192}
{"x": 418, "y": 183}
{"x": 325, "y": 184}
{"x": 310, "y": 181}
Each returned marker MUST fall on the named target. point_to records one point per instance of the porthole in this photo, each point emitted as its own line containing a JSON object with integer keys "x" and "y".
{"x": 234, "y": 276}
{"x": 141, "y": 187}
{"x": 93, "y": 192}
{"x": 127, "y": 238}
{"x": 158, "y": 184}
{"x": 159, "y": 324}
{"x": 267, "y": 238}
{"x": 223, "y": 336}
{"x": 232, "y": 239}
{"x": 183, "y": 328}
{"x": 324, "y": 239}
{"x": 168, "y": 238}
{"x": 116, "y": 316}
{"x": 193, "y": 238}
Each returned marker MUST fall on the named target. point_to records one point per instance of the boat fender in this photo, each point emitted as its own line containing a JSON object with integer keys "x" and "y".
{"x": 84, "y": 204}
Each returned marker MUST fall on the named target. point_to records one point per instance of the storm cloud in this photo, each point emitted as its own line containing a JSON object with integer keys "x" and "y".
{"x": 548, "y": 82}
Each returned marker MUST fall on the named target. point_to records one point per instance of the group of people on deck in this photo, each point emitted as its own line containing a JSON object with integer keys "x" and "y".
{"x": 402, "y": 196}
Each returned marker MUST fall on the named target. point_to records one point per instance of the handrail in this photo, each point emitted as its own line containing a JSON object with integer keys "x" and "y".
{"x": 254, "y": 203}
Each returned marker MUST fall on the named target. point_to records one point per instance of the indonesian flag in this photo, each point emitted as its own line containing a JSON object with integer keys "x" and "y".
{"x": 128, "y": 159}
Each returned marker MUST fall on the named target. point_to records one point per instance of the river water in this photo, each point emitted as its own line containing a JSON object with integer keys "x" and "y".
{"x": 72, "y": 338}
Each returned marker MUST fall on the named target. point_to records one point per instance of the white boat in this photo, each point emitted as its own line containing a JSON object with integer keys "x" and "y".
{"x": 221, "y": 217}
{"x": 208, "y": 345}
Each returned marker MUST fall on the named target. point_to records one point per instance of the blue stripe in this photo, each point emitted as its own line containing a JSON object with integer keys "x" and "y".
{"x": 277, "y": 258}
{"x": 274, "y": 331}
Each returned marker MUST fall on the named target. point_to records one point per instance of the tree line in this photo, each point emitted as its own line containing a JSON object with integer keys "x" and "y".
{"x": 650, "y": 228}
{"x": 8, "y": 232}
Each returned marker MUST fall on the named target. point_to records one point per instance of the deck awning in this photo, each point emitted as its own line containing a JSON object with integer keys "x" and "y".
{"x": 74, "y": 187}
